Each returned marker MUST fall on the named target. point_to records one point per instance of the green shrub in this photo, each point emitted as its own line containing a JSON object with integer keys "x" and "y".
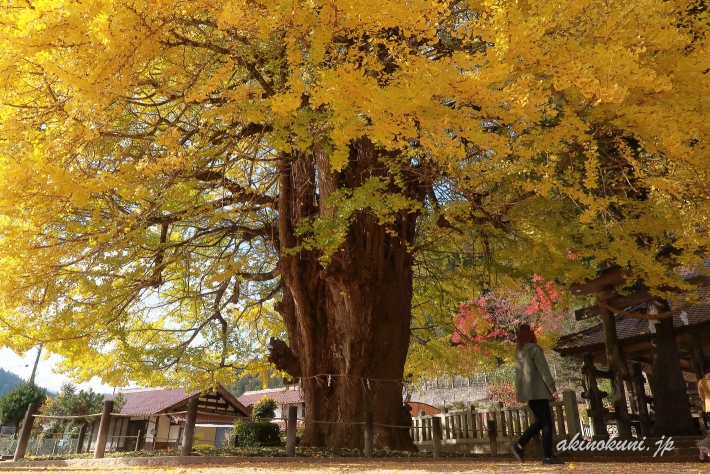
{"x": 257, "y": 433}
{"x": 264, "y": 408}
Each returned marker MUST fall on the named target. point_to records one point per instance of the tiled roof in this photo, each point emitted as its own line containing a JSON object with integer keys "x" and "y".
{"x": 151, "y": 401}
{"x": 694, "y": 270}
{"x": 627, "y": 327}
{"x": 282, "y": 396}
{"x": 211, "y": 419}
{"x": 157, "y": 400}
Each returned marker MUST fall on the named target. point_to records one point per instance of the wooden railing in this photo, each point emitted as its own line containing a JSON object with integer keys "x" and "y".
{"x": 474, "y": 425}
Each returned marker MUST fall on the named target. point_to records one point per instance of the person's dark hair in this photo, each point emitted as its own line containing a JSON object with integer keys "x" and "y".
{"x": 524, "y": 335}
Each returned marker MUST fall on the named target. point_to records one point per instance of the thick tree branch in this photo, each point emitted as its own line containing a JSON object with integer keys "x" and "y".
{"x": 260, "y": 276}
{"x": 283, "y": 357}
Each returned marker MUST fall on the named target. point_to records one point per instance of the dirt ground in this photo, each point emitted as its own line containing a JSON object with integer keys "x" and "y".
{"x": 385, "y": 467}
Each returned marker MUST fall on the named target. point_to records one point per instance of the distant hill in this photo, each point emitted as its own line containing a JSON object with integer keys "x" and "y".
{"x": 7, "y": 381}
{"x": 250, "y": 382}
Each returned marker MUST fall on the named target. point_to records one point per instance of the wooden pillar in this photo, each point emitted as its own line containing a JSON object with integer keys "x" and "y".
{"x": 498, "y": 417}
{"x": 569, "y": 398}
{"x": 644, "y": 418}
{"x": 138, "y": 441}
{"x": 103, "y": 430}
{"x": 368, "y": 434}
{"x": 617, "y": 367}
{"x": 291, "y": 431}
{"x": 670, "y": 397}
{"x": 436, "y": 435}
{"x": 155, "y": 435}
{"x": 493, "y": 436}
{"x": 698, "y": 357}
{"x": 80, "y": 440}
{"x": 25, "y": 432}
{"x": 445, "y": 424}
{"x": 190, "y": 420}
{"x": 595, "y": 396}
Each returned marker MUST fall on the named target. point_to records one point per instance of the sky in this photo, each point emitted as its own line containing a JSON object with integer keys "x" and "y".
{"x": 45, "y": 377}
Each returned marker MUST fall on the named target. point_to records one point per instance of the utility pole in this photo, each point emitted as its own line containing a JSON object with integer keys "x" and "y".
{"x": 34, "y": 369}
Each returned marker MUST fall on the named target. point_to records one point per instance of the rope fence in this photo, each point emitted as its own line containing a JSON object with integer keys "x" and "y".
{"x": 428, "y": 431}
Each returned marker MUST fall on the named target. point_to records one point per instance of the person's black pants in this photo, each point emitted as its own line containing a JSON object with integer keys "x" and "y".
{"x": 543, "y": 421}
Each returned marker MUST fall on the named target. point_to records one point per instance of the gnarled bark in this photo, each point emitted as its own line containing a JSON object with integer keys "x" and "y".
{"x": 347, "y": 321}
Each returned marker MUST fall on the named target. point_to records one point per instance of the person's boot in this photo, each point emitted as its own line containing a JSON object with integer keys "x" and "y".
{"x": 517, "y": 451}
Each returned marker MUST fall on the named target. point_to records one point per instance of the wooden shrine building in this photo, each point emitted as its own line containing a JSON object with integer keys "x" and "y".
{"x": 642, "y": 335}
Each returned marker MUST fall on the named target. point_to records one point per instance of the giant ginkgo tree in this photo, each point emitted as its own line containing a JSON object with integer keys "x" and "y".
{"x": 182, "y": 178}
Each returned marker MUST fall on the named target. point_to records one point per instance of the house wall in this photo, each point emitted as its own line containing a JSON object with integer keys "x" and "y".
{"x": 162, "y": 439}
{"x": 282, "y": 410}
{"x": 174, "y": 434}
{"x": 221, "y": 436}
{"x": 117, "y": 431}
{"x": 150, "y": 433}
{"x": 92, "y": 433}
{"x": 206, "y": 435}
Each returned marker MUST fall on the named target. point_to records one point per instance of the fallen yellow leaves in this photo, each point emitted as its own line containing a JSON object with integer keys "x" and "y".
{"x": 388, "y": 467}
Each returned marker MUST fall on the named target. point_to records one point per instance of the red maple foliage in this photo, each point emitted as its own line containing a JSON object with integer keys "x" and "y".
{"x": 502, "y": 391}
{"x": 494, "y": 316}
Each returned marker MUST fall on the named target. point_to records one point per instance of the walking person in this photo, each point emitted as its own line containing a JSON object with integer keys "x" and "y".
{"x": 534, "y": 385}
{"x": 704, "y": 393}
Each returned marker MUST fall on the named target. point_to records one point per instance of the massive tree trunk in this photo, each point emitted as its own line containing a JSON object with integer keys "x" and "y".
{"x": 347, "y": 319}
{"x": 670, "y": 396}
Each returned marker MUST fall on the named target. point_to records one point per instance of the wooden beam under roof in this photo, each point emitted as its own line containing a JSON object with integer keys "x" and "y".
{"x": 612, "y": 277}
{"x": 619, "y": 304}
{"x": 624, "y": 302}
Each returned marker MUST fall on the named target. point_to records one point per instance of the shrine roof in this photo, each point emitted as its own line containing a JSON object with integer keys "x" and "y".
{"x": 629, "y": 328}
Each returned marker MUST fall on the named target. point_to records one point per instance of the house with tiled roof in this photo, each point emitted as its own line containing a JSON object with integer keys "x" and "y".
{"x": 155, "y": 418}
{"x": 284, "y": 398}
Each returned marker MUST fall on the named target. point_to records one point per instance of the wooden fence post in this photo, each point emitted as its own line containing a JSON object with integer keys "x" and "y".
{"x": 468, "y": 421}
{"x": 445, "y": 424}
{"x": 291, "y": 431}
{"x": 560, "y": 418}
{"x": 138, "y": 440}
{"x": 80, "y": 440}
{"x": 436, "y": 435}
{"x": 422, "y": 429}
{"x": 103, "y": 430}
{"x": 25, "y": 432}
{"x": 190, "y": 421}
{"x": 368, "y": 434}
{"x": 569, "y": 398}
{"x": 493, "y": 437}
{"x": 498, "y": 417}
{"x": 595, "y": 397}
{"x": 638, "y": 379}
